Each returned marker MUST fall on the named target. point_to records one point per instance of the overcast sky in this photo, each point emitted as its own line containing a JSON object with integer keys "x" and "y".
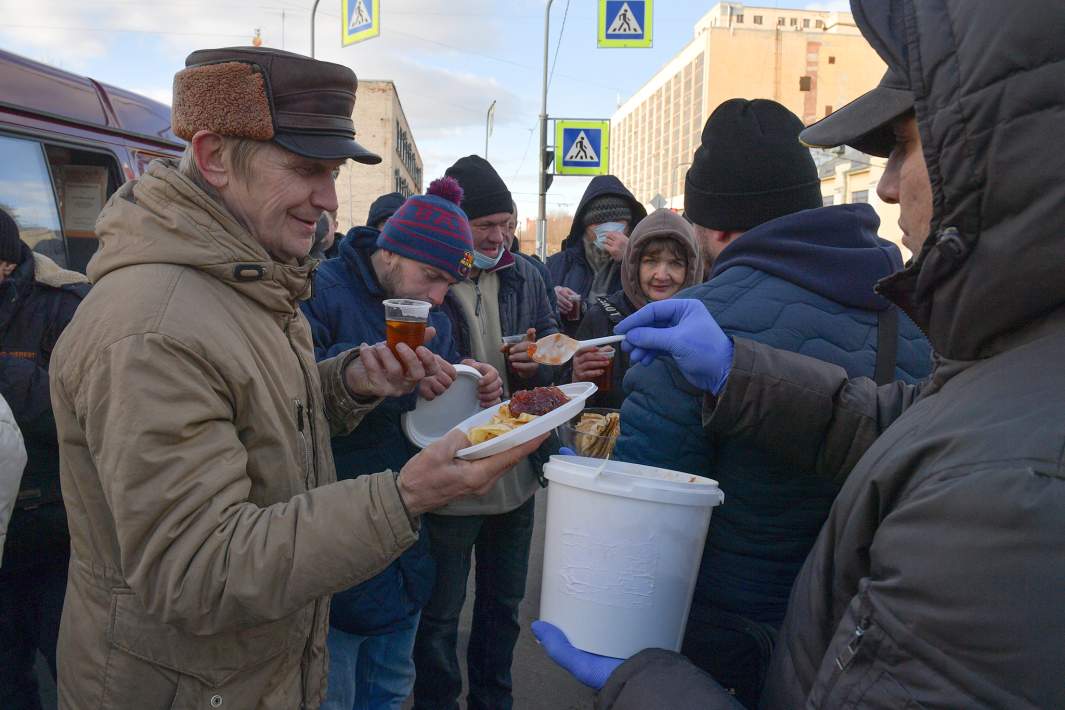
{"x": 449, "y": 61}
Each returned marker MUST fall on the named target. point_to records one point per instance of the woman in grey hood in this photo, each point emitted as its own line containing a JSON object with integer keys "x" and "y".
{"x": 661, "y": 259}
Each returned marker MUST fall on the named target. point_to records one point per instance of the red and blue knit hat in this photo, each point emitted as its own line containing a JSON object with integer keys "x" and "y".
{"x": 432, "y": 229}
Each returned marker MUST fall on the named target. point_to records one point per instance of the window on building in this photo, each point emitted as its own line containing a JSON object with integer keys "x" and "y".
{"x": 739, "y": 19}
{"x": 828, "y": 200}
{"x": 805, "y": 83}
{"x": 860, "y": 196}
{"x": 780, "y": 21}
{"x": 757, "y": 19}
{"x": 820, "y": 24}
{"x": 806, "y": 23}
{"x": 831, "y": 60}
{"x": 794, "y": 22}
{"x": 828, "y": 109}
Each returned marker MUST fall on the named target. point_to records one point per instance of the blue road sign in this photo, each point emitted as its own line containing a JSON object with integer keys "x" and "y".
{"x": 361, "y": 20}
{"x": 582, "y": 147}
{"x": 625, "y": 23}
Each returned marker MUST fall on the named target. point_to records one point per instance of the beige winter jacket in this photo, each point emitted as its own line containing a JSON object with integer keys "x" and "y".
{"x": 207, "y": 527}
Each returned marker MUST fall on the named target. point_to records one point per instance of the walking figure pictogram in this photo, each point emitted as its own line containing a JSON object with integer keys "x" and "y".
{"x": 360, "y": 18}
{"x": 581, "y": 148}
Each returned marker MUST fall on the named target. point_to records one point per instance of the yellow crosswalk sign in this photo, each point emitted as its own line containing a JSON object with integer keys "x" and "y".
{"x": 360, "y": 20}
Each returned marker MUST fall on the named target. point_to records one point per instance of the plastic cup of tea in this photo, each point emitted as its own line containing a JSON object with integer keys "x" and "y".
{"x": 509, "y": 341}
{"x": 605, "y": 381}
{"x": 405, "y": 321}
{"x": 575, "y": 314}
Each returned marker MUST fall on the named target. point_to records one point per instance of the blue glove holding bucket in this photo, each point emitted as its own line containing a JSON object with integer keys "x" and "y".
{"x": 588, "y": 668}
{"x": 684, "y": 330}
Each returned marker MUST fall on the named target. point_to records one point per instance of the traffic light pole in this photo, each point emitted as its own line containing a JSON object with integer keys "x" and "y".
{"x": 314, "y": 9}
{"x": 541, "y": 214}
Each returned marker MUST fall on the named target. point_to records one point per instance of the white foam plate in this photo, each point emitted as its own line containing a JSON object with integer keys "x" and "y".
{"x": 431, "y": 419}
{"x": 578, "y": 394}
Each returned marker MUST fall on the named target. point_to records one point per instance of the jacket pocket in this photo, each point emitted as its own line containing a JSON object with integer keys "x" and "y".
{"x": 213, "y": 661}
{"x": 856, "y": 672}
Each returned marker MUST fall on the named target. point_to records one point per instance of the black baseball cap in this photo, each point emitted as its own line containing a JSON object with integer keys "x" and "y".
{"x": 865, "y": 123}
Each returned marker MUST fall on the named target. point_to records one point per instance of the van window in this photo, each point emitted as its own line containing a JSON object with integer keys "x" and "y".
{"x": 83, "y": 181}
{"x": 26, "y": 194}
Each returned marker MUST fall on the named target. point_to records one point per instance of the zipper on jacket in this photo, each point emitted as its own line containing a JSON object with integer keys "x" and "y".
{"x": 309, "y": 411}
{"x": 843, "y": 660}
{"x": 477, "y": 307}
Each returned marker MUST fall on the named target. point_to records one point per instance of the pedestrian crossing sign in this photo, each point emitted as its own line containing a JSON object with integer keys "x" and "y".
{"x": 582, "y": 147}
{"x": 625, "y": 23}
{"x": 360, "y": 20}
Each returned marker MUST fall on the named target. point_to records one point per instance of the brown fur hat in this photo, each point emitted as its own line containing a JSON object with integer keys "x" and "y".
{"x": 228, "y": 98}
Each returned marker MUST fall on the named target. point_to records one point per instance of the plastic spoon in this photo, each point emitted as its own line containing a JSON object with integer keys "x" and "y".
{"x": 558, "y": 348}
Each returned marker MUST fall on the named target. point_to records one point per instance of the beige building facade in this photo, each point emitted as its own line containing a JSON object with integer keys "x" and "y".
{"x": 381, "y": 126}
{"x": 810, "y": 61}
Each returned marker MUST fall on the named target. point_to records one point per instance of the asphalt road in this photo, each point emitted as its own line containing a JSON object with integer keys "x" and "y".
{"x": 538, "y": 683}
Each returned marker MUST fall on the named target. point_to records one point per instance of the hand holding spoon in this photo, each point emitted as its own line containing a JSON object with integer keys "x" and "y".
{"x": 558, "y": 348}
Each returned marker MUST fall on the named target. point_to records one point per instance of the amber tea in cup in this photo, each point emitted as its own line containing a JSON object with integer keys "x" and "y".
{"x": 405, "y": 321}
{"x": 605, "y": 381}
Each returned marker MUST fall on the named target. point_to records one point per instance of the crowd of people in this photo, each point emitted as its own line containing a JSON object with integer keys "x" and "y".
{"x": 207, "y": 498}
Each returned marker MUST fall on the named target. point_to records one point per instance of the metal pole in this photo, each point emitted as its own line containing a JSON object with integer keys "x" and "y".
{"x": 541, "y": 213}
{"x": 487, "y": 127}
{"x": 314, "y": 9}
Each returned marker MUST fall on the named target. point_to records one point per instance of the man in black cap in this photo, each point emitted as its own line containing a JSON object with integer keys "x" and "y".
{"x": 208, "y": 530}
{"x": 37, "y": 301}
{"x": 504, "y": 296}
{"x": 937, "y": 580}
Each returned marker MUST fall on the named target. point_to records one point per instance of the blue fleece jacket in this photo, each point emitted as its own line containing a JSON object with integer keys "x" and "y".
{"x": 346, "y": 311}
{"x": 803, "y": 282}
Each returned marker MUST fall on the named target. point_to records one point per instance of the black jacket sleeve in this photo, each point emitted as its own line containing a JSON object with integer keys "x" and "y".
{"x": 656, "y": 678}
{"x": 807, "y": 411}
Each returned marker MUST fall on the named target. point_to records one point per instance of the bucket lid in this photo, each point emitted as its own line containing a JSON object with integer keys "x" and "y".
{"x": 432, "y": 419}
{"x": 630, "y": 480}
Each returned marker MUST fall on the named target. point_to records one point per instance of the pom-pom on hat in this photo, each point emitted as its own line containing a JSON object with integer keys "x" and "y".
{"x": 432, "y": 229}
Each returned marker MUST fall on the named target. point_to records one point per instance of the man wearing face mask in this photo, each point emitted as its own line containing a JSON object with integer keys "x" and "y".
{"x": 503, "y": 296}
{"x": 589, "y": 265}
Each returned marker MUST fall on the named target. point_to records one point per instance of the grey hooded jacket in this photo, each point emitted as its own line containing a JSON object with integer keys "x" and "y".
{"x": 938, "y": 580}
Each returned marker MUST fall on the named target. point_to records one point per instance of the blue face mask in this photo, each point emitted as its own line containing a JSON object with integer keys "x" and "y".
{"x": 482, "y": 262}
{"x": 601, "y": 230}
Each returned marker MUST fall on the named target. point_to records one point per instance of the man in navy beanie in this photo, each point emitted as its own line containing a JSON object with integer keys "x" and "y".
{"x": 504, "y": 296}
{"x": 423, "y": 249}
{"x": 797, "y": 276}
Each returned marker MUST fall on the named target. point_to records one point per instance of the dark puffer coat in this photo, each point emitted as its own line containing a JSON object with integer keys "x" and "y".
{"x": 804, "y": 283}
{"x": 36, "y": 303}
{"x": 938, "y": 580}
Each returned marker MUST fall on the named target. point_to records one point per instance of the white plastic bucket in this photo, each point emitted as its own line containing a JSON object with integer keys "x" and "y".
{"x": 622, "y": 552}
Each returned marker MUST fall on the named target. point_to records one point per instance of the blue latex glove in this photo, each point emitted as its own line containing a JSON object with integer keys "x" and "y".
{"x": 684, "y": 330}
{"x": 567, "y": 451}
{"x": 588, "y": 668}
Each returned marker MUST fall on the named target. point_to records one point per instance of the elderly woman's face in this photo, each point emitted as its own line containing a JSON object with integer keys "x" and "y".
{"x": 662, "y": 270}
{"x": 281, "y": 202}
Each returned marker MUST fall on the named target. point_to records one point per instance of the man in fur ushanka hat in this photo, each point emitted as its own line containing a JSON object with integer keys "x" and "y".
{"x": 208, "y": 529}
